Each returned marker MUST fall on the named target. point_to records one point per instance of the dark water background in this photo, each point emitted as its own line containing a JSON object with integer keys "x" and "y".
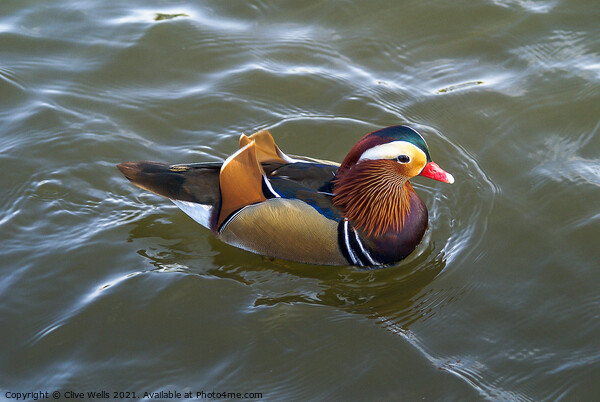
{"x": 106, "y": 287}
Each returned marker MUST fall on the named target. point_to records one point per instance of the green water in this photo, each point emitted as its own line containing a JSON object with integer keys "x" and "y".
{"x": 106, "y": 287}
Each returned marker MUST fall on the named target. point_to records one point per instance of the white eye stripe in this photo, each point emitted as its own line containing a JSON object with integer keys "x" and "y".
{"x": 391, "y": 150}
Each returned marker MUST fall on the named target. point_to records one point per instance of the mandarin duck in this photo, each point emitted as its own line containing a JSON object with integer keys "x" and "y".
{"x": 363, "y": 212}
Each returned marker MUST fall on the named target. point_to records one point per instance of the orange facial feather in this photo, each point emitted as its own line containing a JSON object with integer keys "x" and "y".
{"x": 374, "y": 196}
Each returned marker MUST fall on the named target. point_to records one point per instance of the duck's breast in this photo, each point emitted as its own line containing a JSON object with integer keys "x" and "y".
{"x": 393, "y": 245}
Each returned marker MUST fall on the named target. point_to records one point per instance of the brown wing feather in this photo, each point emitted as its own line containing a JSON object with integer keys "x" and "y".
{"x": 240, "y": 182}
{"x": 266, "y": 149}
{"x": 194, "y": 183}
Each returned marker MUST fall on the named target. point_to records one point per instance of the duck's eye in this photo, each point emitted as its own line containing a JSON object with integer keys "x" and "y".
{"x": 403, "y": 158}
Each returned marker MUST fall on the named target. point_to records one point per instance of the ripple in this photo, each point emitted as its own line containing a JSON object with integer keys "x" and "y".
{"x": 50, "y": 189}
{"x": 466, "y": 226}
{"x": 533, "y": 6}
{"x": 578, "y": 170}
{"x": 11, "y": 203}
{"x": 559, "y": 160}
{"x": 9, "y": 76}
{"x": 471, "y": 369}
{"x": 564, "y": 50}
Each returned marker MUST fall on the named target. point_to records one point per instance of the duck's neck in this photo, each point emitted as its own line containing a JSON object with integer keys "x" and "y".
{"x": 373, "y": 196}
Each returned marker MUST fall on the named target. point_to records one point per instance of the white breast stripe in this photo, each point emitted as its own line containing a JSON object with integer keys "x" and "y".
{"x": 363, "y": 250}
{"x": 351, "y": 253}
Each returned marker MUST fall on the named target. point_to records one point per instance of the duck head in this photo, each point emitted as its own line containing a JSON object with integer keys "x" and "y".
{"x": 372, "y": 184}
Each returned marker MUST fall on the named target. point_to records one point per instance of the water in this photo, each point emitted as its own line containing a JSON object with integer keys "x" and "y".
{"x": 106, "y": 287}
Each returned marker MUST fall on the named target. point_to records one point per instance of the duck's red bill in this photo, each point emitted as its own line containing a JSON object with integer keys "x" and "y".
{"x": 433, "y": 171}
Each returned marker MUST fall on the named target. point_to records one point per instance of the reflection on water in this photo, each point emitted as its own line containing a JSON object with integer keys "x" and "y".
{"x": 389, "y": 295}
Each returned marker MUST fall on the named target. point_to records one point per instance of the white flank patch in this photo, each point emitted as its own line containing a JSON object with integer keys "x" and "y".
{"x": 270, "y": 187}
{"x": 198, "y": 212}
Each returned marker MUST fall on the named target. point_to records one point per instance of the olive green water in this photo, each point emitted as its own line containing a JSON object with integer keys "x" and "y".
{"x": 106, "y": 287}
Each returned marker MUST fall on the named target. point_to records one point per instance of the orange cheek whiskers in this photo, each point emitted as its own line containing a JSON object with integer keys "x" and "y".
{"x": 374, "y": 196}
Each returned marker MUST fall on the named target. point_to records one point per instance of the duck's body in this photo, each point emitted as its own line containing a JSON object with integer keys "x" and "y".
{"x": 363, "y": 212}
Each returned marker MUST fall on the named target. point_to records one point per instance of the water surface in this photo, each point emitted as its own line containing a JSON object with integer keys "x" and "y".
{"x": 104, "y": 286}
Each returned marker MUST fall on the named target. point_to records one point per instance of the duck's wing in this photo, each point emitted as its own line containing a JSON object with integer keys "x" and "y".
{"x": 268, "y": 152}
{"x": 313, "y": 175}
{"x": 259, "y": 171}
{"x": 308, "y": 182}
{"x": 212, "y": 192}
{"x": 198, "y": 182}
